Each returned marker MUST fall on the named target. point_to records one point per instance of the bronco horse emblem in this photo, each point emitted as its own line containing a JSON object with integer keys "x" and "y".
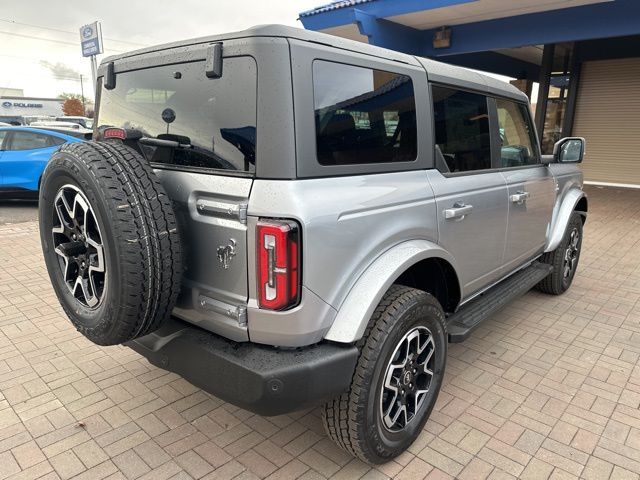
{"x": 226, "y": 253}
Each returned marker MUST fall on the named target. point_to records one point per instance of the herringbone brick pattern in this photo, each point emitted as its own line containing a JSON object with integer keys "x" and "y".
{"x": 548, "y": 388}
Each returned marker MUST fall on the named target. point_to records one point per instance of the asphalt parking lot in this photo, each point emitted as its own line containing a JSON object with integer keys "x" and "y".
{"x": 18, "y": 211}
{"x": 548, "y": 388}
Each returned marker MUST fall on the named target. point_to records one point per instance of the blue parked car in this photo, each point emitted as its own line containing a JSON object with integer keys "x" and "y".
{"x": 24, "y": 152}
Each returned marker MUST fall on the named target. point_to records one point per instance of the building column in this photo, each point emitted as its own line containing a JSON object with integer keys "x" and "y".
{"x": 543, "y": 91}
{"x": 574, "y": 81}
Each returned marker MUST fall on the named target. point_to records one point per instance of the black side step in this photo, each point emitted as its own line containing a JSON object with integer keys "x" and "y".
{"x": 464, "y": 321}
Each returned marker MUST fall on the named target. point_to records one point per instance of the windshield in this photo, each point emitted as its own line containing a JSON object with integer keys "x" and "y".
{"x": 183, "y": 118}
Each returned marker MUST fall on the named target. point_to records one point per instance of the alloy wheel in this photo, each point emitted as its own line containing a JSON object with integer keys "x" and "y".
{"x": 407, "y": 379}
{"x": 571, "y": 253}
{"x": 78, "y": 243}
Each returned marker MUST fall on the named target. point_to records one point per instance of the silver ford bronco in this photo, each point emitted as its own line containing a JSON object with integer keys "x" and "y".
{"x": 288, "y": 219}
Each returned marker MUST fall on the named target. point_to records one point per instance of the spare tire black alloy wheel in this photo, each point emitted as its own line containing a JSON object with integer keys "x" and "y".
{"x": 110, "y": 241}
{"x": 78, "y": 242}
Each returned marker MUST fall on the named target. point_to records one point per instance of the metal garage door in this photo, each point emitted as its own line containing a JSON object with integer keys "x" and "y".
{"x": 608, "y": 116}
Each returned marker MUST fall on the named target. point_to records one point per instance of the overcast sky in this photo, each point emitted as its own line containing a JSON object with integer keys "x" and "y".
{"x": 40, "y": 40}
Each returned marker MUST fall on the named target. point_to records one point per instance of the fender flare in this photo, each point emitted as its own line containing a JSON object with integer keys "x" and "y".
{"x": 562, "y": 214}
{"x": 363, "y": 298}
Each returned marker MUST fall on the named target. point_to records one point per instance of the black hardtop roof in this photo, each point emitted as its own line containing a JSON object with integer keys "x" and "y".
{"x": 441, "y": 69}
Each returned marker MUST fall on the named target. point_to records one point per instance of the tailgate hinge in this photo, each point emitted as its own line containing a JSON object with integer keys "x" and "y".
{"x": 223, "y": 209}
{"x": 238, "y": 312}
{"x": 242, "y": 213}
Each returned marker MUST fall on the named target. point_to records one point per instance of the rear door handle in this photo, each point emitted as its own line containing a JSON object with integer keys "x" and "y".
{"x": 519, "y": 197}
{"x": 459, "y": 210}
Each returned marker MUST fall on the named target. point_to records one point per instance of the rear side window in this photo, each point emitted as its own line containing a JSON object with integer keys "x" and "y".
{"x": 29, "y": 141}
{"x": 363, "y": 115}
{"x": 462, "y": 135}
{"x": 211, "y": 123}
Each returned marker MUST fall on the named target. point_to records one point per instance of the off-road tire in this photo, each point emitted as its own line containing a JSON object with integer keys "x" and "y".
{"x": 138, "y": 230}
{"x": 556, "y": 283}
{"x": 352, "y": 420}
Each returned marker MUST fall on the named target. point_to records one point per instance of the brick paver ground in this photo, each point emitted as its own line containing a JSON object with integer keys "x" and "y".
{"x": 548, "y": 388}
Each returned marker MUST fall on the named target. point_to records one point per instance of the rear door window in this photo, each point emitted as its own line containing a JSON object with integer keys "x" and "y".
{"x": 212, "y": 120}
{"x": 461, "y": 124}
{"x": 363, "y": 115}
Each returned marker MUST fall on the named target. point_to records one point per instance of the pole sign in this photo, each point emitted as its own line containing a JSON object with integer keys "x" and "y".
{"x": 91, "y": 39}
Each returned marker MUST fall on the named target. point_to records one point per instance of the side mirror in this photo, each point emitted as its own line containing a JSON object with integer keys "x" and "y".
{"x": 569, "y": 150}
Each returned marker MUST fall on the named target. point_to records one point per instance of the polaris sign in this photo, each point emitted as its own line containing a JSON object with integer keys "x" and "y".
{"x": 22, "y": 105}
{"x": 30, "y": 106}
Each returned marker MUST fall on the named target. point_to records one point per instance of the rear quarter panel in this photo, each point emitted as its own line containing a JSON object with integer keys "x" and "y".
{"x": 347, "y": 222}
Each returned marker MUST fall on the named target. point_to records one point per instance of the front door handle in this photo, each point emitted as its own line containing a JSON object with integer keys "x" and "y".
{"x": 519, "y": 197}
{"x": 459, "y": 210}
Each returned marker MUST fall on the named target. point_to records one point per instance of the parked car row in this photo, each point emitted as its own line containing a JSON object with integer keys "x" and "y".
{"x": 24, "y": 153}
{"x": 28, "y": 120}
{"x": 70, "y": 128}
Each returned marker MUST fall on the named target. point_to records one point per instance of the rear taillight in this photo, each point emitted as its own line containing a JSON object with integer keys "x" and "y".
{"x": 278, "y": 259}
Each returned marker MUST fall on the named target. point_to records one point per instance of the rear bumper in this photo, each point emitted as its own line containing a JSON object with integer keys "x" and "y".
{"x": 262, "y": 379}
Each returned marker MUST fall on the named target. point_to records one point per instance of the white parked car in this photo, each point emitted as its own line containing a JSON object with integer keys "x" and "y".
{"x": 62, "y": 126}
{"x": 86, "y": 122}
{"x": 54, "y": 123}
{"x": 69, "y": 128}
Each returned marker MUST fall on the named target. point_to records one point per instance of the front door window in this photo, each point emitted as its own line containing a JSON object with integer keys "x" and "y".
{"x": 517, "y": 140}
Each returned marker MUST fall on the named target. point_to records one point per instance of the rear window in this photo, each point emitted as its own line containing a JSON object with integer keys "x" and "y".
{"x": 29, "y": 141}
{"x": 363, "y": 115}
{"x": 212, "y": 120}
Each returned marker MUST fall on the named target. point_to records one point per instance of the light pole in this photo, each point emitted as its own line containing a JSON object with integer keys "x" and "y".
{"x": 84, "y": 107}
{"x": 94, "y": 73}
{"x": 91, "y": 42}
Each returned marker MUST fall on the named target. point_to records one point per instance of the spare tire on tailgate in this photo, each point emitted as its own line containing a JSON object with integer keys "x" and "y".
{"x": 110, "y": 241}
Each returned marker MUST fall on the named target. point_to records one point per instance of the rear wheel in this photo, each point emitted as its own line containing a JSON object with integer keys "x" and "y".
{"x": 564, "y": 259}
{"x": 110, "y": 241}
{"x": 397, "y": 378}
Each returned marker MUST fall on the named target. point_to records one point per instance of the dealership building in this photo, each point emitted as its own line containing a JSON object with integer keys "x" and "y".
{"x": 14, "y": 108}
{"x": 579, "y": 59}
